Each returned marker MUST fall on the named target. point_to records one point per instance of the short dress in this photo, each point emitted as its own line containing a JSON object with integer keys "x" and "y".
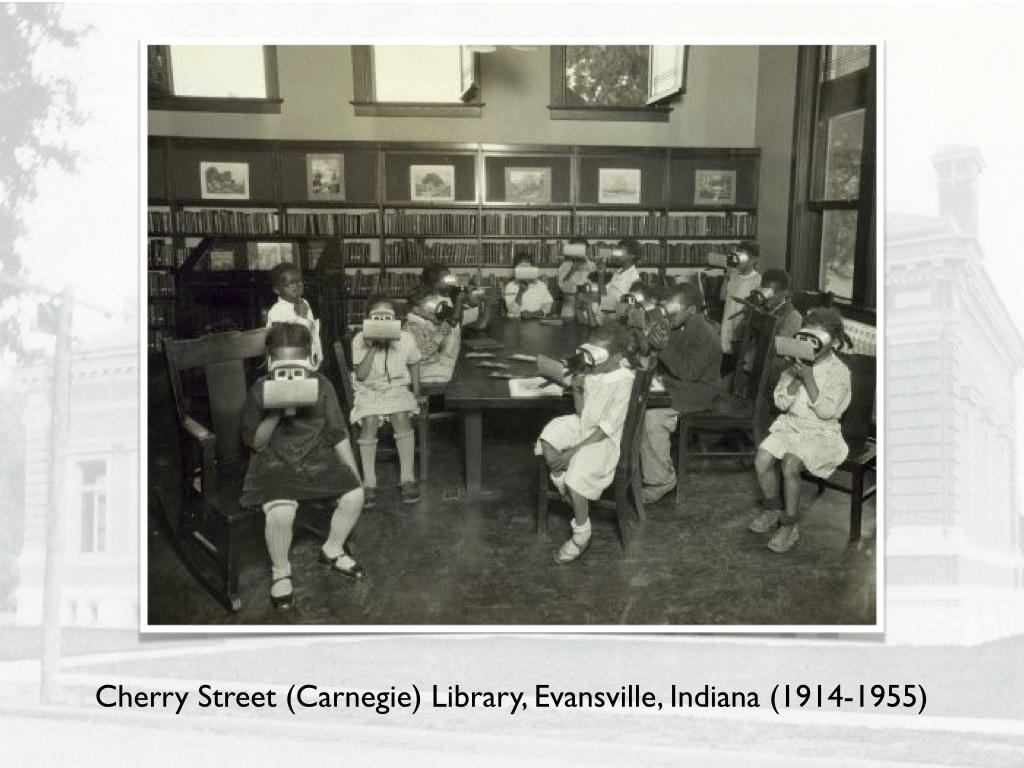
{"x": 811, "y": 431}
{"x": 387, "y": 389}
{"x": 439, "y": 346}
{"x": 300, "y": 461}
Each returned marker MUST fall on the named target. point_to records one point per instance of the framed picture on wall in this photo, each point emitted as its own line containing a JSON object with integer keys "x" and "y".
{"x": 224, "y": 181}
{"x": 715, "y": 188}
{"x": 528, "y": 185}
{"x": 325, "y": 177}
{"x": 432, "y": 183}
{"x": 618, "y": 186}
{"x": 222, "y": 259}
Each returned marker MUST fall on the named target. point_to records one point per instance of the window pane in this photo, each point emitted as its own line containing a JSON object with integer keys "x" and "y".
{"x": 418, "y": 73}
{"x": 101, "y": 522}
{"x": 843, "y": 154}
{"x": 87, "y": 521}
{"x": 844, "y": 59}
{"x": 230, "y": 71}
{"x": 606, "y": 75}
{"x": 838, "y": 243}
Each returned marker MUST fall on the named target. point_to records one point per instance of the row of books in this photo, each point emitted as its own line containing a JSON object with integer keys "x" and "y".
{"x": 161, "y": 284}
{"x": 360, "y": 283}
{"x": 163, "y": 314}
{"x": 413, "y": 253}
{"x": 430, "y": 224}
{"x": 356, "y": 254}
{"x": 672, "y": 225}
{"x": 504, "y": 254}
{"x": 222, "y": 222}
{"x": 164, "y": 255}
{"x": 364, "y": 224}
{"x": 159, "y": 221}
{"x": 520, "y": 224}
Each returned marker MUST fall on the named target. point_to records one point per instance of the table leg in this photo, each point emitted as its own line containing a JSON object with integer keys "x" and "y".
{"x": 472, "y": 426}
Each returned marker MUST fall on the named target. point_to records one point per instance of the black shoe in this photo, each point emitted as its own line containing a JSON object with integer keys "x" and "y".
{"x": 282, "y": 602}
{"x": 355, "y": 572}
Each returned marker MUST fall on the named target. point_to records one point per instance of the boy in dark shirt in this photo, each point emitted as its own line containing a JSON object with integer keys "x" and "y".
{"x": 688, "y": 367}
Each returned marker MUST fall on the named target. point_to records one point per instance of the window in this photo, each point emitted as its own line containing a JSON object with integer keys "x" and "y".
{"x": 615, "y": 82}
{"x": 833, "y": 205}
{"x": 213, "y": 78}
{"x": 93, "y": 505}
{"x": 415, "y": 81}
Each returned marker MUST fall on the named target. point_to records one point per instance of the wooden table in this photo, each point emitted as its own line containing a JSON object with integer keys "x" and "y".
{"x": 471, "y": 392}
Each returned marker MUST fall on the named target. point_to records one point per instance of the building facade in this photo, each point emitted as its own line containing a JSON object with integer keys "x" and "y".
{"x": 101, "y": 508}
{"x": 954, "y": 567}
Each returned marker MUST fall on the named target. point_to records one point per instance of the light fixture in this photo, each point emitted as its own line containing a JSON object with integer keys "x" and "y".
{"x": 525, "y": 47}
{"x": 481, "y": 48}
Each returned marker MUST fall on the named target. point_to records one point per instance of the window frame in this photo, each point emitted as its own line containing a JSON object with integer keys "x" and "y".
{"x": 365, "y": 103}
{"x": 560, "y": 109}
{"x": 95, "y": 490}
{"x": 164, "y": 99}
{"x": 819, "y": 100}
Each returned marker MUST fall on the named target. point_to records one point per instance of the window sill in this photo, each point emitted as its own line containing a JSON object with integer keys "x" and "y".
{"x": 159, "y": 103}
{"x": 622, "y": 114}
{"x": 416, "y": 109}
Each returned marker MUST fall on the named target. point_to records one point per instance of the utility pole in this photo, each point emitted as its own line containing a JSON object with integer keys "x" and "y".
{"x": 50, "y": 681}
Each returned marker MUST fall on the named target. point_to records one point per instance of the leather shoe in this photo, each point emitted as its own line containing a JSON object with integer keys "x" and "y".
{"x": 356, "y": 571}
{"x": 282, "y": 602}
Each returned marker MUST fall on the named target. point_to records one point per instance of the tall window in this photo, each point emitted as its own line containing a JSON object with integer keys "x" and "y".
{"x": 615, "y": 82}
{"x": 415, "y": 81}
{"x": 214, "y": 78}
{"x": 833, "y": 205}
{"x": 93, "y": 505}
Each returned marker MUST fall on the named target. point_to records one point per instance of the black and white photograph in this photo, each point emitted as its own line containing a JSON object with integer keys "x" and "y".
{"x": 524, "y": 413}
{"x": 715, "y": 188}
{"x": 618, "y": 186}
{"x": 224, "y": 181}
{"x": 432, "y": 183}
{"x": 325, "y": 177}
{"x": 528, "y": 185}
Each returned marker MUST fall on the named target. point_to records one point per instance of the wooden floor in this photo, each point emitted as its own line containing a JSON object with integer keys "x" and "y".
{"x": 457, "y": 561}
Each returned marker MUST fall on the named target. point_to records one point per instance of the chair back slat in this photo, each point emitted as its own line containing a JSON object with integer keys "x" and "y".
{"x": 752, "y": 359}
{"x": 345, "y": 378}
{"x": 221, "y": 358}
{"x": 858, "y": 420}
{"x": 629, "y": 449}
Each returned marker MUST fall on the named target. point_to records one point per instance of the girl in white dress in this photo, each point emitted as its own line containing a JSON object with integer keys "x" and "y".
{"x": 807, "y": 435}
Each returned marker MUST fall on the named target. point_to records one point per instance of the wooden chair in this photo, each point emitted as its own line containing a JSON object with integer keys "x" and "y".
{"x": 628, "y": 482}
{"x": 858, "y": 431}
{"x": 210, "y": 377}
{"x": 347, "y": 394}
{"x": 743, "y": 407}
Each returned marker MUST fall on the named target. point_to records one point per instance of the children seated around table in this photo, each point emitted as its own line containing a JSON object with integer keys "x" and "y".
{"x": 301, "y": 450}
{"x": 813, "y": 396}
{"x": 526, "y": 295}
{"x": 648, "y": 324}
{"x": 386, "y": 385}
{"x": 688, "y": 367}
{"x": 472, "y": 308}
{"x": 574, "y": 277}
{"x": 290, "y": 307}
{"x": 741, "y": 277}
{"x": 625, "y": 258}
{"x": 582, "y": 449}
{"x": 431, "y": 322}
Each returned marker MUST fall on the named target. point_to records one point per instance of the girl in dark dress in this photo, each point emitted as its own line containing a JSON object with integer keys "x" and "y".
{"x": 299, "y": 453}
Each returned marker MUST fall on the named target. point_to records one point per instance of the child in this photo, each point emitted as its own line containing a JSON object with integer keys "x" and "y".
{"x": 807, "y": 435}
{"x": 306, "y": 455}
{"x": 582, "y": 450}
{"x": 526, "y": 295}
{"x": 775, "y": 295}
{"x": 627, "y": 273}
{"x": 647, "y": 321}
{"x": 291, "y": 307}
{"x": 573, "y": 278}
{"x": 431, "y": 322}
{"x": 740, "y": 279}
{"x": 472, "y": 310}
{"x": 387, "y": 388}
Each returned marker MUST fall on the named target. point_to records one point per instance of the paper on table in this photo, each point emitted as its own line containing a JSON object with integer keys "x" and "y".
{"x": 657, "y": 386}
{"x": 537, "y": 386}
{"x": 480, "y": 355}
{"x": 523, "y": 358}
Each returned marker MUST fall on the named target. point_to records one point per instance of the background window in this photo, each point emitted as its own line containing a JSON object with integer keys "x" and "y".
{"x": 415, "y": 81}
{"x": 93, "y": 505}
{"x": 213, "y": 78}
{"x": 615, "y": 82}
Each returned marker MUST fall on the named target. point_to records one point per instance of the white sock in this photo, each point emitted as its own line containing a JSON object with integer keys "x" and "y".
{"x": 368, "y": 455}
{"x": 580, "y": 533}
{"x": 278, "y": 532}
{"x": 558, "y": 480}
{"x": 342, "y": 521}
{"x": 406, "y": 444}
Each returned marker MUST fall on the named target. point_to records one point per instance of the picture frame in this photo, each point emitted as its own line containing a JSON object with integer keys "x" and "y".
{"x": 224, "y": 181}
{"x": 618, "y": 186}
{"x": 714, "y": 188}
{"x": 325, "y": 177}
{"x": 528, "y": 186}
{"x": 222, "y": 259}
{"x": 266, "y": 256}
{"x": 432, "y": 183}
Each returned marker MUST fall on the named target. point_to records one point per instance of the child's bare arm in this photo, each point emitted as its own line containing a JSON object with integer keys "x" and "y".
{"x": 365, "y": 365}
{"x": 265, "y": 429}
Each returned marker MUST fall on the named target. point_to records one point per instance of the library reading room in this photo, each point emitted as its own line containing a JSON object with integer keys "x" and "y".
{"x": 456, "y": 336}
